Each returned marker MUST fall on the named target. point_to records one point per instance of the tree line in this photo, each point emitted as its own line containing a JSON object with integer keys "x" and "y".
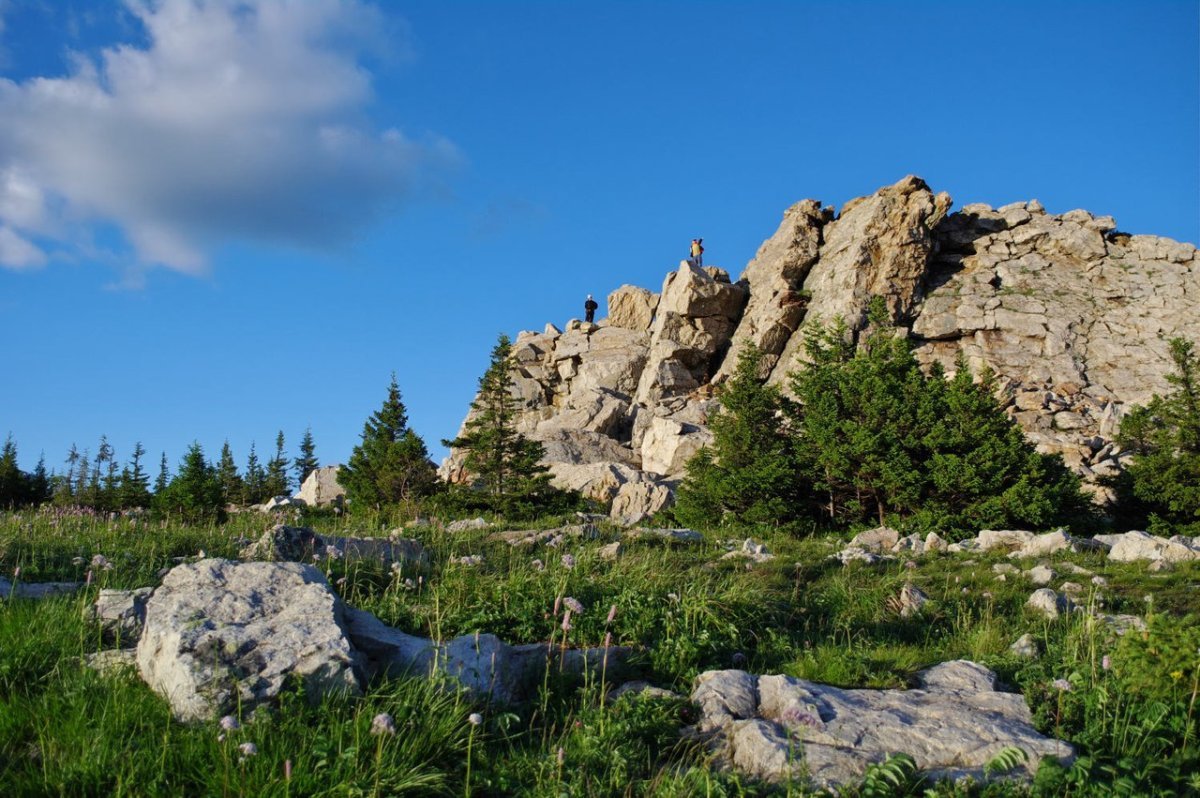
{"x": 102, "y": 483}
{"x": 390, "y": 466}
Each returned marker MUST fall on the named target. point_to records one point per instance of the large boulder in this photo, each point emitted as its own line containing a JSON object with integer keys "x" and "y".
{"x": 1137, "y": 545}
{"x": 321, "y": 488}
{"x": 775, "y": 727}
{"x": 222, "y": 635}
{"x": 636, "y": 502}
{"x": 668, "y": 445}
{"x": 599, "y": 481}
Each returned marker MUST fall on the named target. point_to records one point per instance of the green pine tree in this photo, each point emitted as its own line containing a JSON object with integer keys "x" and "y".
{"x": 506, "y": 463}
{"x": 749, "y": 473}
{"x": 164, "y": 475}
{"x": 195, "y": 492}
{"x": 277, "y": 483}
{"x": 391, "y": 463}
{"x": 1163, "y": 479}
{"x": 135, "y": 482}
{"x": 40, "y": 483}
{"x": 14, "y": 486}
{"x": 254, "y": 483}
{"x": 231, "y": 481}
{"x": 307, "y": 462}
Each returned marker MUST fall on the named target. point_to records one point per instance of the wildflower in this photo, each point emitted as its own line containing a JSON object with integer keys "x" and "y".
{"x": 100, "y": 561}
{"x": 16, "y": 573}
{"x": 566, "y": 621}
{"x": 287, "y": 770}
{"x": 76, "y": 561}
{"x": 568, "y": 561}
{"x": 248, "y": 750}
{"x": 607, "y": 639}
{"x": 87, "y": 580}
{"x": 573, "y": 605}
{"x": 383, "y": 724}
{"x": 987, "y": 594}
{"x": 612, "y": 614}
{"x": 340, "y": 582}
{"x": 1106, "y": 662}
{"x": 560, "y": 755}
{"x": 538, "y": 565}
{"x": 333, "y": 552}
{"x": 673, "y": 597}
{"x": 230, "y": 723}
{"x": 409, "y": 584}
{"x": 475, "y": 719}
{"x": 557, "y": 605}
{"x": 1062, "y": 685}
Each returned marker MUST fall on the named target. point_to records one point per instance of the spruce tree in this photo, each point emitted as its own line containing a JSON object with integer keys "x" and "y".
{"x": 135, "y": 482}
{"x": 254, "y": 483}
{"x": 40, "y": 483}
{"x": 749, "y": 473}
{"x": 306, "y": 463}
{"x": 231, "y": 482}
{"x": 1163, "y": 480}
{"x": 164, "y": 475}
{"x": 14, "y": 487}
{"x": 391, "y": 463}
{"x": 195, "y": 492}
{"x": 506, "y": 463}
{"x": 277, "y": 471}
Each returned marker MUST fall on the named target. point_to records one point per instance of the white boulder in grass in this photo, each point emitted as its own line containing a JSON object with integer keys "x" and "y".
{"x": 220, "y": 634}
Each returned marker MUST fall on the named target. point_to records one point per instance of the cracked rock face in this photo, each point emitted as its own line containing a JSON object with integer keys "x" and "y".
{"x": 1071, "y": 315}
{"x": 773, "y": 727}
{"x": 219, "y": 633}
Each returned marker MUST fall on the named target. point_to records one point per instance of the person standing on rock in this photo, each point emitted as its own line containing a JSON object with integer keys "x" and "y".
{"x": 698, "y": 251}
{"x": 589, "y": 309}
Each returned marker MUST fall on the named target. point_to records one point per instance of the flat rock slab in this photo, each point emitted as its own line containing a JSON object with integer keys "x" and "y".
{"x": 219, "y": 633}
{"x": 36, "y": 590}
{"x": 774, "y": 727}
{"x": 284, "y": 543}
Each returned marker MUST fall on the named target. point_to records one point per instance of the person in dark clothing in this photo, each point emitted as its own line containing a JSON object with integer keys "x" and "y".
{"x": 589, "y": 310}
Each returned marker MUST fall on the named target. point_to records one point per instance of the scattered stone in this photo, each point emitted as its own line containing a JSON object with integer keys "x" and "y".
{"x": 934, "y": 542}
{"x": 1049, "y": 604}
{"x": 855, "y": 554}
{"x": 221, "y": 634}
{"x": 1136, "y": 545}
{"x": 750, "y": 550}
{"x": 1011, "y": 539}
{"x": 1004, "y": 568}
{"x": 281, "y": 503}
{"x": 1072, "y": 589}
{"x": 775, "y": 727}
{"x": 1159, "y": 565}
{"x": 611, "y": 552}
{"x": 669, "y": 535}
{"x": 532, "y": 537}
{"x": 120, "y": 613}
{"x": 641, "y": 688}
{"x": 877, "y": 540}
{"x": 467, "y": 524}
{"x": 1078, "y": 570}
{"x": 113, "y": 661}
{"x": 1040, "y": 575}
{"x": 1120, "y": 624}
{"x": 910, "y": 601}
{"x": 1045, "y": 545}
{"x": 1024, "y": 646}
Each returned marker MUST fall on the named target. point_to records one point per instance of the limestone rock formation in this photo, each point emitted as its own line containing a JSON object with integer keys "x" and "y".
{"x": 772, "y": 727}
{"x": 1072, "y": 315}
{"x": 219, "y": 634}
{"x": 284, "y": 543}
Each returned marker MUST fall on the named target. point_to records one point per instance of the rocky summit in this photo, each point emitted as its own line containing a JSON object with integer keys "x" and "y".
{"x": 1071, "y": 314}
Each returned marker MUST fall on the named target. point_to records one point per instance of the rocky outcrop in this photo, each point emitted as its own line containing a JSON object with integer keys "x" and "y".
{"x": 1071, "y": 315}
{"x": 774, "y": 727}
{"x": 284, "y": 543}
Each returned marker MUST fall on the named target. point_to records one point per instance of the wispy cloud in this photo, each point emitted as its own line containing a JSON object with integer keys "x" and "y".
{"x": 234, "y": 120}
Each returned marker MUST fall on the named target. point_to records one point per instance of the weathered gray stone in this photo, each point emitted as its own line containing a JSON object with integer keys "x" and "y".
{"x": 36, "y": 590}
{"x": 669, "y": 535}
{"x": 120, "y": 613}
{"x": 221, "y": 634}
{"x": 1025, "y": 647}
{"x": 1040, "y": 575}
{"x": 1049, "y": 604}
{"x": 632, "y": 308}
{"x": 1137, "y": 545}
{"x": 284, "y": 543}
{"x": 774, "y": 727}
{"x": 636, "y": 502}
{"x": 877, "y": 540}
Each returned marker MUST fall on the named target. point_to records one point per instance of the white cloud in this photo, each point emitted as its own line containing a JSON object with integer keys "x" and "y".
{"x": 236, "y": 120}
{"x": 17, "y": 252}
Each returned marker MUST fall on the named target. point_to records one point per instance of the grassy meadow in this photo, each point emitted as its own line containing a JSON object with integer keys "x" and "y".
{"x": 1127, "y": 703}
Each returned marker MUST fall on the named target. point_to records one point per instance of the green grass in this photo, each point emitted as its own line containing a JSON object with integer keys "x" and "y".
{"x": 67, "y": 730}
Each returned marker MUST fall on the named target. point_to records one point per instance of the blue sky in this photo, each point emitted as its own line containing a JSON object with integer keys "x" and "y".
{"x": 222, "y": 219}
